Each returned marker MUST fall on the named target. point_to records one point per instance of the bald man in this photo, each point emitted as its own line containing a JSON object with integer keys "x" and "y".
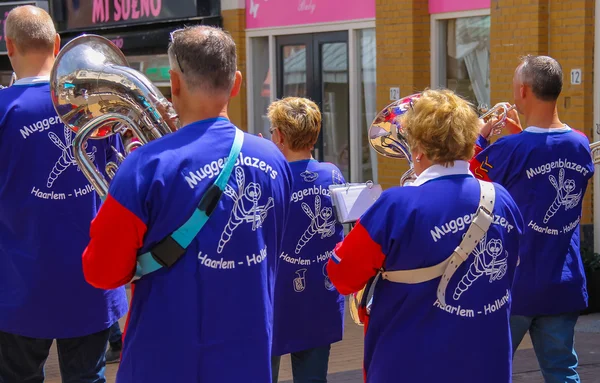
{"x": 46, "y": 206}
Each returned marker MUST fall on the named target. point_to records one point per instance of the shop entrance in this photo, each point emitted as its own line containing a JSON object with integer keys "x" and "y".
{"x": 316, "y": 66}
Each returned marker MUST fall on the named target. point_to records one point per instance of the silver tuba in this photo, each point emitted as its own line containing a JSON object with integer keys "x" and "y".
{"x": 96, "y": 94}
{"x": 388, "y": 138}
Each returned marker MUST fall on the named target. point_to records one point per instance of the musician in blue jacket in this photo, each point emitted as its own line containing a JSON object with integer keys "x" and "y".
{"x": 207, "y": 317}
{"x": 411, "y": 335}
{"x": 46, "y": 206}
{"x": 546, "y": 169}
{"x": 304, "y": 295}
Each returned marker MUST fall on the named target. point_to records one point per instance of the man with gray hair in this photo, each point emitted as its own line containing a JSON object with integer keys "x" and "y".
{"x": 206, "y": 243}
{"x": 44, "y": 223}
{"x": 546, "y": 169}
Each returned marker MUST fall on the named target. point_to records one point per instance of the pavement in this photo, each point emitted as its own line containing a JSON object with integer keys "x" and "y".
{"x": 345, "y": 364}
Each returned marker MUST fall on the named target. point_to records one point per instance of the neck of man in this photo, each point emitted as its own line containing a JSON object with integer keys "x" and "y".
{"x": 199, "y": 107}
{"x": 543, "y": 115}
{"x": 34, "y": 65}
{"x": 300, "y": 155}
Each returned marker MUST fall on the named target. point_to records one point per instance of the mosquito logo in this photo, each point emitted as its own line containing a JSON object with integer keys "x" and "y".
{"x": 563, "y": 195}
{"x": 309, "y": 176}
{"x": 322, "y": 222}
{"x": 66, "y": 158}
{"x": 245, "y": 207}
{"x": 490, "y": 259}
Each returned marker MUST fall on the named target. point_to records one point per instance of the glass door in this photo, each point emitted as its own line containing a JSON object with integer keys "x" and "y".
{"x": 316, "y": 66}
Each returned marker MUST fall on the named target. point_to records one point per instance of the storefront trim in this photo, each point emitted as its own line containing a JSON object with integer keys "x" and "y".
{"x": 456, "y": 6}
{"x": 311, "y": 28}
{"x": 438, "y": 63}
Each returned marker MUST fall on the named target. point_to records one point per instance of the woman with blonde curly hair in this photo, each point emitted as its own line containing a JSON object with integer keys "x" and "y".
{"x": 423, "y": 328}
{"x": 308, "y": 311}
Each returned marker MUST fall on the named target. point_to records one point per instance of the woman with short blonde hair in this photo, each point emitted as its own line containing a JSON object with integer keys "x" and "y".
{"x": 413, "y": 235}
{"x": 298, "y": 120}
{"x": 308, "y": 311}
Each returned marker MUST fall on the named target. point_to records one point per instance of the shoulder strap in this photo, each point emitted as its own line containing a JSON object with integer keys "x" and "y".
{"x": 169, "y": 250}
{"x": 475, "y": 233}
{"x": 477, "y": 230}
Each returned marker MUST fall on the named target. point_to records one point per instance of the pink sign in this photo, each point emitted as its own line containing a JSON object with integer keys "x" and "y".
{"x": 443, "y": 6}
{"x": 278, "y": 13}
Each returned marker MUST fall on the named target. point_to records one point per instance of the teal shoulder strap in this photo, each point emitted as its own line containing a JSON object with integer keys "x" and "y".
{"x": 173, "y": 247}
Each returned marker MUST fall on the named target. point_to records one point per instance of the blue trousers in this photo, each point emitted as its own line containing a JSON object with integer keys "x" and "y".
{"x": 553, "y": 339}
{"x": 308, "y": 366}
{"x": 81, "y": 359}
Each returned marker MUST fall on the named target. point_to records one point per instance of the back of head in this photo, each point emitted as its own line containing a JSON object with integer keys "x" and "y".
{"x": 31, "y": 30}
{"x": 443, "y": 125}
{"x": 206, "y": 56}
{"x": 543, "y": 75}
{"x": 298, "y": 119}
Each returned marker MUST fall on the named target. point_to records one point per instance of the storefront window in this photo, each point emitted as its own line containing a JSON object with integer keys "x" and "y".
{"x": 468, "y": 58}
{"x": 5, "y": 77}
{"x": 261, "y": 91}
{"x": 368, "y": 106}
{"x": 156, "y": 69}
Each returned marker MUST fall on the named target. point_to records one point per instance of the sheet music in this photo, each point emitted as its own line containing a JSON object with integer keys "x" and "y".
{"x": 352, "y": 201}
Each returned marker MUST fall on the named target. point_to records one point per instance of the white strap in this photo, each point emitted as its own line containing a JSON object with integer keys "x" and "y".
{"x": 479, "y": 226}
{"x": 475, "y": 233}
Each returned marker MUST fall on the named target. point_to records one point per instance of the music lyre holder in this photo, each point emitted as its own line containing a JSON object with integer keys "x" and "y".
{"x": 352, "y": 200}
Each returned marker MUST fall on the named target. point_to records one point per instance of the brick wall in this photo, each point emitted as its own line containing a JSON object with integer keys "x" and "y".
{"x": 234, "y": 22}
{"x": 403, "y": 60}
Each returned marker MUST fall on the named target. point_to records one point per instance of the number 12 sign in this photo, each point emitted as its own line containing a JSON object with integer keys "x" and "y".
{"x": 575, "y": 76}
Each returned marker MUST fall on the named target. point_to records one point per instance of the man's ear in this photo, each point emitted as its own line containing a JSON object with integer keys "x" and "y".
{"x": 523, "y": 90}
{"x": 236, "y": 85}
{"x": 56, "y": 45}
{"x": 175, "y": 83}
{"x": 10, "y": 47}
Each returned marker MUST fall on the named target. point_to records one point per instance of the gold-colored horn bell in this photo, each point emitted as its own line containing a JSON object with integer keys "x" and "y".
{"x": 96, "y": 94}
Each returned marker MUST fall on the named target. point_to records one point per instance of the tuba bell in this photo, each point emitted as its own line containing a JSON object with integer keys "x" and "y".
{"x": 96, "y": 94}
{"x": 388, "y": 138}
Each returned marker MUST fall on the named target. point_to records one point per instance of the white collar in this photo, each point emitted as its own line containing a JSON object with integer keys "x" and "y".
{"x": 437, "y": 171}
{"x": 32, "y": 80}
{"x": 535, "y": 129}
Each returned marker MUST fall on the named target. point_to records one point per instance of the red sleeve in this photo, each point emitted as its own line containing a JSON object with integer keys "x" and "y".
{"x": 479, "y": 169}
{"x": 354, "y": 261}
{"x": 109, "y": 261}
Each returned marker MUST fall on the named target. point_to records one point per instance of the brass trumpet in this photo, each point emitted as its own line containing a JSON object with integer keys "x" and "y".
{"x": 500, "y": 112}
